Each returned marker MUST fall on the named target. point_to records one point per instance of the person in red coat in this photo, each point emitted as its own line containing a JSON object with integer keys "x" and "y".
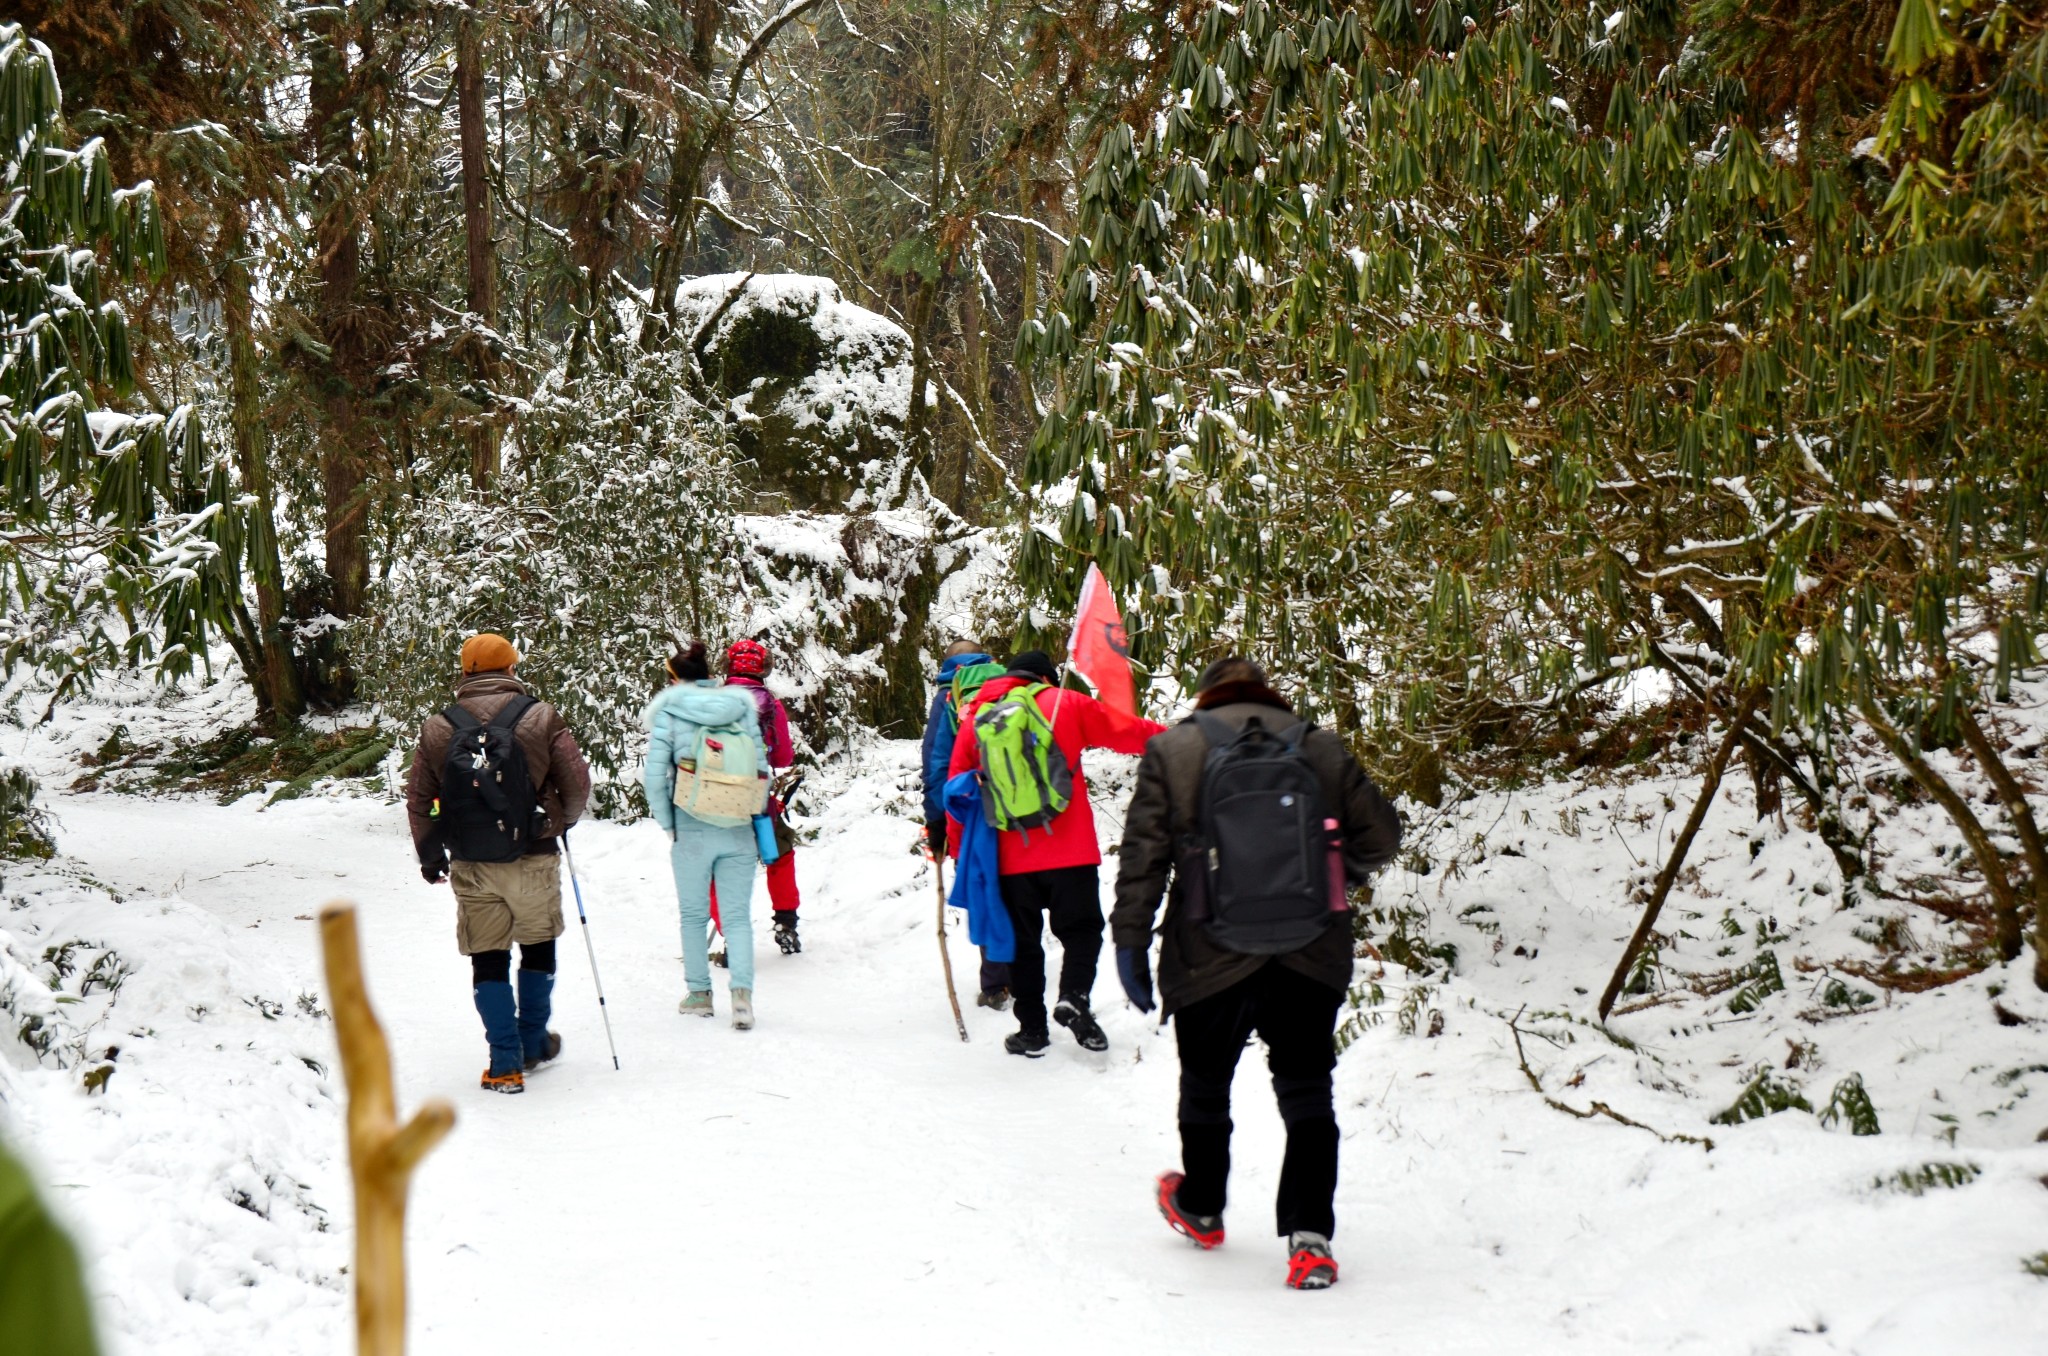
{"x": 1051, "y": 874}
{"x": 747, "y": 665}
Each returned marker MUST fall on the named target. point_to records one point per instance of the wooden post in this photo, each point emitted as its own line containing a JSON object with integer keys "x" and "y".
{"x": 946, "y": 952}
{"x": 381, "y": 1153}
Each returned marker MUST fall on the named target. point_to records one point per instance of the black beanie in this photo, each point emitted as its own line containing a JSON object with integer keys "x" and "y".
{"x": 1037, "y": 663}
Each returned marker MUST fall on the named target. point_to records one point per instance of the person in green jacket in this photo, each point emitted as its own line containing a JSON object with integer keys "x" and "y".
{"x": 43, "y": 1310}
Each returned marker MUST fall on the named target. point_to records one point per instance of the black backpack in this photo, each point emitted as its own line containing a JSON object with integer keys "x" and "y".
{"x": 1263, "y": 835}
{"x": 489, "y": 811}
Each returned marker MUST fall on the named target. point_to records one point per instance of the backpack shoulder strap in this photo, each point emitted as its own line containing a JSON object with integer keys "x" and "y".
{"x": 509, "y": 714}
{"x": 458, "y": 715}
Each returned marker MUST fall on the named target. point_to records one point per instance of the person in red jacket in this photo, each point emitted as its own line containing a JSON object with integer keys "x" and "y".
{"x": 1050, "y": 874}
{"x": 747, "y": 663}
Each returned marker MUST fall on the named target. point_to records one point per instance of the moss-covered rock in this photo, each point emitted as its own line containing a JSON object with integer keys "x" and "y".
{"x": 816, "y": 390}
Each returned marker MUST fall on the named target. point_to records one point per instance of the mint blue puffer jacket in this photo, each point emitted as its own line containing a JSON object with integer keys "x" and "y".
{"x": 675, "y": 720}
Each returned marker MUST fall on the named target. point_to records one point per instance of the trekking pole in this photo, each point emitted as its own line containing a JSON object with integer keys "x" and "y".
{"x": 602, "y": 1011}
{"x": 945, "y": 951}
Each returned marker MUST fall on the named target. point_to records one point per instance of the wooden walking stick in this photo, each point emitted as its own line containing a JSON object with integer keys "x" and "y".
{"x": 381, "y": 1153}
{"x": 946, "y": 952}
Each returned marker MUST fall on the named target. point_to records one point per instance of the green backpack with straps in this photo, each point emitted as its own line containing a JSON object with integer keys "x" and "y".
{"x": 1026, "y": 782}
{"x": 967, "y": 681}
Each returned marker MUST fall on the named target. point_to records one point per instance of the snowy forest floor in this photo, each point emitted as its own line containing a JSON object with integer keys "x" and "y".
{"x": 850, "y": 1175}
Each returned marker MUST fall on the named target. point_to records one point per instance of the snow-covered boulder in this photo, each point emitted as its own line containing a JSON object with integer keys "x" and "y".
{"x": 816, "y": 389}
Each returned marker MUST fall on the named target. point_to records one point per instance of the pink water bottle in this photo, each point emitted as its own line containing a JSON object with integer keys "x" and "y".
{"x": 1339, "y": 900}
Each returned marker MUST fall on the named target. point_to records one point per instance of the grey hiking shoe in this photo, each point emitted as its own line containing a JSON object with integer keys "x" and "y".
{"x": 1072, "y": 1013}
{"x": 696, "y": 1003}
{"x": 743, "y": 1009}
{"x": 1309, "y": 1264}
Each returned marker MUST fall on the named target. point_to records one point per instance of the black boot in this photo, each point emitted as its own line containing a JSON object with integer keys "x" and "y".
{"x": 1030, "y": 1042}
{"x": 1072, "y": 1013}
{"x": 785, "y": 932}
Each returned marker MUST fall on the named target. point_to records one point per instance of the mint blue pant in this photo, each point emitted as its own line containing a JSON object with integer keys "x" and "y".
{"x": 701, "y": 854}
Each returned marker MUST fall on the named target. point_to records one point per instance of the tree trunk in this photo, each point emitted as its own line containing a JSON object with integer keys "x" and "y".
{"x": 1669, "y": 875}
{"x": 2005, "y": 903}
{"x": 476, "y": 218}
{"x": 680, "y": 213}
{"x": 2021, "y": 812}
{"x": 339, "y": 241}
{"x": 274, "y": 673}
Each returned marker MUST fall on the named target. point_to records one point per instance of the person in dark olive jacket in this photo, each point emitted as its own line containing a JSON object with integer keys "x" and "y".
{"x": 1219, "y": 997}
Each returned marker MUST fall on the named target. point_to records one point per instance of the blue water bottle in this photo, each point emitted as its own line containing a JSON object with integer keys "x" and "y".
{"x": 764, "y": 839}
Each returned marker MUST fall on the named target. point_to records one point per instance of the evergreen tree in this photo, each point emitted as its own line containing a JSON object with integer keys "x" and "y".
{"x": 1471, "y": 361}
{"x": 119, "y": 531}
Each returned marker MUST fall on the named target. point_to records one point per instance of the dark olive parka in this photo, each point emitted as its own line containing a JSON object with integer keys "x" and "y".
{"x": 1166, "y": 810}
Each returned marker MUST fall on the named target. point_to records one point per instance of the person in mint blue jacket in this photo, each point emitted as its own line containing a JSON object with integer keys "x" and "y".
{"x": 701, "y": 852}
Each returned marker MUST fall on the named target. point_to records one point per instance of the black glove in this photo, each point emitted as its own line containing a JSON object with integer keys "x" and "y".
{"x": 935, "y": 835}
{"x": 433, "y": 875}
{"x": 1134, "y": 968}
{"x": 433, "y": 863}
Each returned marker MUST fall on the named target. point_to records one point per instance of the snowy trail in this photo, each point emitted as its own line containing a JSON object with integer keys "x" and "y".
{"x": 850, "y": 1175}
{"x": 849, "y": 1169}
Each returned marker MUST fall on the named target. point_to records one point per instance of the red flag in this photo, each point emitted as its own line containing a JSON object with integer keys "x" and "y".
{"x": 1098, "y": 649}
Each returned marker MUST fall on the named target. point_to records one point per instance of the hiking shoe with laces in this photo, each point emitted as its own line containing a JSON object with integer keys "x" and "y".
{"x": 743, "y": 1009}
{"x": 1072, "y": 1013}
{"x": 785, "y": 934}
{"x": 505, "y": 1082}
{"x": 1309, "y": 1264}
{"x": 718, "y": 958}
{"x": 696, "y": 1003}
{"x": 999, "y": 999}
{"x": 550, "y": 1051}
{"x": 1204, "y": 1231}
{"x": 1028, "y": 1043}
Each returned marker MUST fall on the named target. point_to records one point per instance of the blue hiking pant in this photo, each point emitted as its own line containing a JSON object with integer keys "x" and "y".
{"x": 701, "y": 854}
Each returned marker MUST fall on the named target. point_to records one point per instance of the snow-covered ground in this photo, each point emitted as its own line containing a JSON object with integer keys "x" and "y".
{"x": 850, "y": 1176}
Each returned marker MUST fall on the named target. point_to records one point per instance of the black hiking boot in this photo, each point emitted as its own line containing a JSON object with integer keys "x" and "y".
{"x": 1072, "y": 1013}
{"x": 785, "y": 933}
{"x": 999, "y": 999}
{"x": 550, "y": 1051}
{"x": 1030, "y": 1043}
{"x": 718, "y": 958}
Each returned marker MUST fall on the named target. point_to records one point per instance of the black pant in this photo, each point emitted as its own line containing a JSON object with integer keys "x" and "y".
{"x": 1297, "y": 1019}
{"x": 496, "y": 966}
{"x": 1071, "y": 898}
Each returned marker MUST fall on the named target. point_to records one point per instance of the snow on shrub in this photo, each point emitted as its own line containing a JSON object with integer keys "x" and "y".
{"x": 618, "y": 531}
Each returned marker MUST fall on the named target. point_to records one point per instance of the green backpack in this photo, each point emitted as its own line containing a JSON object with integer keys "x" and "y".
{"x": 1026, "y": 782}
{"x": 967, "y": 680}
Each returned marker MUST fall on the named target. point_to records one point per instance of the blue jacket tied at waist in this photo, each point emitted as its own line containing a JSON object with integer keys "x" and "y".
{"x": 975, "y": 885}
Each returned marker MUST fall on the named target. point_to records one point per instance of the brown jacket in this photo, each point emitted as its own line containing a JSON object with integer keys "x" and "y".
{"x": 1165, "y": 811}
{"x": 553, "y": 761}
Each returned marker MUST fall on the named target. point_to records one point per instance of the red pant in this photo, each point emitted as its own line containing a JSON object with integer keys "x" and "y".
{"x": 782, "y": 896}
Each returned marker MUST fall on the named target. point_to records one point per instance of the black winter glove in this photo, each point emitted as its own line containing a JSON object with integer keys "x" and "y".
{"x": 1134, "y": 968}
{"x": 433, "y": 875}
{"x": 433, "y": 863}
{"x": 935, "y": 836}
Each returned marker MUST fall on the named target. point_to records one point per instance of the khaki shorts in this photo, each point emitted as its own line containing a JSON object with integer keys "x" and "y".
{"x": 499, "y": 903}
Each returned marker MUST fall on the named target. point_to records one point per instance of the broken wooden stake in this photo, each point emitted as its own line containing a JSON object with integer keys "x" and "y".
{"x": 381, "y": 1153}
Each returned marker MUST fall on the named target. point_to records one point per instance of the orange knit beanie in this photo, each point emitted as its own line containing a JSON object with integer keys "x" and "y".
{"x": 487, "y": 653}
